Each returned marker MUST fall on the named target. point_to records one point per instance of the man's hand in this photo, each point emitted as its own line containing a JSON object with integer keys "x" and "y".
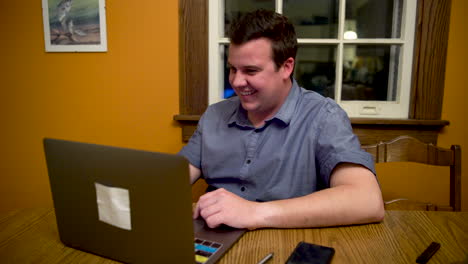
{"x": 223, "y": 207}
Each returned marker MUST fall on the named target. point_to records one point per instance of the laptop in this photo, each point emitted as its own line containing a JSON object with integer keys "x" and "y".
{"x": 129, "y": 205}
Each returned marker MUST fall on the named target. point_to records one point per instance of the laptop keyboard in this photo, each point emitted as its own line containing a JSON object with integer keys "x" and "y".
{"x": 204, "y": 249}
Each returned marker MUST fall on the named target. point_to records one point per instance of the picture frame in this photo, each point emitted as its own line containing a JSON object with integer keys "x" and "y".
{"x": 74, "y": 26}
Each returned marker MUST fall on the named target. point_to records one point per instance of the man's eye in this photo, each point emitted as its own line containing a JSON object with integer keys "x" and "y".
{"x": 251, "y": 71}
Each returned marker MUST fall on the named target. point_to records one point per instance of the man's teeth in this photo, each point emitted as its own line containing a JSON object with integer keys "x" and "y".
{"x": 247, "y": 92}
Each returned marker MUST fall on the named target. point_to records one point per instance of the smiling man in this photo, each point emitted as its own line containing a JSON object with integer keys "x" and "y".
{"x": 277, "y": 155}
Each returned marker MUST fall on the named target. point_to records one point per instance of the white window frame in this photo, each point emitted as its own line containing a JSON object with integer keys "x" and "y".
{"x": 371, "y": 109}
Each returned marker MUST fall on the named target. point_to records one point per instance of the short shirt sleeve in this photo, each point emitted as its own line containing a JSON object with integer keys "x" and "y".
{"x": 336, "y": 143}
{"x": 192, "y": 151}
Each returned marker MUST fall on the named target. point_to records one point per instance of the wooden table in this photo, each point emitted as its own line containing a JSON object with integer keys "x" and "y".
{"x": 30, "y": 236}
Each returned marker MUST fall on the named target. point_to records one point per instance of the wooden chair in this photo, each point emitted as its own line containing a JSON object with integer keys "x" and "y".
{"x": 409, "y": 149}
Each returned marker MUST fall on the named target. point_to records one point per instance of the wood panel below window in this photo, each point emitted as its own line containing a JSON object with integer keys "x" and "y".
{"x": 369, "y": 131}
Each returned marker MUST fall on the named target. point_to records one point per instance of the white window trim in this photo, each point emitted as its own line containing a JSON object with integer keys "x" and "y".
{"x": 215, "y": 57}
{"x": 372, "y": 109}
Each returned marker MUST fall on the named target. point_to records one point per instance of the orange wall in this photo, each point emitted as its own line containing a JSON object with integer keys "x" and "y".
{"x": 127, "y": 96}
{"x": 124, "y": 97}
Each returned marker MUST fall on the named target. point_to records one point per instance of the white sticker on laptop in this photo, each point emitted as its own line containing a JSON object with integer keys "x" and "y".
{"x": 113, "y": 206}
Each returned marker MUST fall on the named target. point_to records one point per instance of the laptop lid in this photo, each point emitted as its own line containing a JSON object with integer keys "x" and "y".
{"x": 158, "y": 227}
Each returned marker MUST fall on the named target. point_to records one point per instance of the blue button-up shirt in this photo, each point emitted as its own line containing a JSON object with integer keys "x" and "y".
{"x": 292, "y": 155}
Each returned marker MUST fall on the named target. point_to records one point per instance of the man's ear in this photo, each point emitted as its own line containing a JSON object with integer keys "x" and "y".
{"x": 288, "y": 67}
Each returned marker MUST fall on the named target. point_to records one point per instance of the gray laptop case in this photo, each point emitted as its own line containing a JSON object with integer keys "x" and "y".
{"x": 159, "y": 226}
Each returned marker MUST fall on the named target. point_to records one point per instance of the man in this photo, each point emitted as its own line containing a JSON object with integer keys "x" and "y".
{"x": 278, "y": 155}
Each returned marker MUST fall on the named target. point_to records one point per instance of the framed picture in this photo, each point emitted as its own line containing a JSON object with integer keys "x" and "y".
{"x": 74, "y": 26}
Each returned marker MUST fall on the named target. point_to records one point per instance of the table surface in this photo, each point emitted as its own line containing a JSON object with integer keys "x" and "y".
{"x": 30, "y": 236}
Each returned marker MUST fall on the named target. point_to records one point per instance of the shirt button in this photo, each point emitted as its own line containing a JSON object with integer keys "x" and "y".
{"x": 243, "y": 188}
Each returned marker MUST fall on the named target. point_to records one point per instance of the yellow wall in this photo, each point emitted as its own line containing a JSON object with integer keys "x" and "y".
{"x": 127, "y": 96}
{"x": 124, "y": 97}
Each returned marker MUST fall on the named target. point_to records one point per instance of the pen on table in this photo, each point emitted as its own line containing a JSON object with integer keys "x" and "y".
{"x": 427, "y": 254}
{"x": 266, "y": 258}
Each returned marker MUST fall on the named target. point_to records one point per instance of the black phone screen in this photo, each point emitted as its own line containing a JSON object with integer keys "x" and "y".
{"x": 310, "y": 253}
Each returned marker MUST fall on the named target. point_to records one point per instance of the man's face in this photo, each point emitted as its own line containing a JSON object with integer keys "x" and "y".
{"x": 261, "y": 86}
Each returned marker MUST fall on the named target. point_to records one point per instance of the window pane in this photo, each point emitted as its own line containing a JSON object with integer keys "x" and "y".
{"x": 235, "y": 8}
{"x": 228, "y": 91}
{"x": 313, "y": 19}
{"x": 370, "y": 72}
{"x": 315, "y": 68}
{"x": 374, "y": 18}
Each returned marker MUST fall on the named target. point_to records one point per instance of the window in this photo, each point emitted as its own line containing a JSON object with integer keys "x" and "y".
{"x": 427, "y": 86}
{"x": 358, "y": 52}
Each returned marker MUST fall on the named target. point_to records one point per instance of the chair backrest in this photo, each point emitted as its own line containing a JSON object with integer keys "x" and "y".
{"x": 409, "y": 149}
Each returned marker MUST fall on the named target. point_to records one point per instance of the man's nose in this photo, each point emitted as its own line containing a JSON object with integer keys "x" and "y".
{"x": 238, "y": 79}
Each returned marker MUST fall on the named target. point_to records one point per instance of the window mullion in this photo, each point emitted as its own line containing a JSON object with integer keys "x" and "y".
{"x": 392, "y": 89}
{"x": 339, "y": 55}
{"x": 355, "y": 41}
{"x": 215, "y": 32}
{"x": 396, "y": 41}
{"x": 279, "y": 6}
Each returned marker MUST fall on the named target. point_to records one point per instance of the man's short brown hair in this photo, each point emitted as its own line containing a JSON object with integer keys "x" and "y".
{"x": 270, "y": 25}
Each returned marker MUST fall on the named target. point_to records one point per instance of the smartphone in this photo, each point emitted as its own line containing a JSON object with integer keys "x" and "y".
{"x": 310, "y": 253}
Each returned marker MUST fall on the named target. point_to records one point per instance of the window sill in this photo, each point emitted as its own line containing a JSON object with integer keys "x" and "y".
{"x": 369, "y": 130}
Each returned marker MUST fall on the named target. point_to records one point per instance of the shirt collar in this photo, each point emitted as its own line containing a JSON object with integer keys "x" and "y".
{"x": 286, "y": 111}
{"x": 284, "y": 115}
{"x": 239, "y": 117}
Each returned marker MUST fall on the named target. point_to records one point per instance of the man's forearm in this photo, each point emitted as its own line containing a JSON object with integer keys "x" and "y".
{"x": 342, "y": 205}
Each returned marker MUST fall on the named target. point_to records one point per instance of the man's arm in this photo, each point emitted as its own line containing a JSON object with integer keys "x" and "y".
{"x": 195, "y": 173}
{"x": 354, "y": 197}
